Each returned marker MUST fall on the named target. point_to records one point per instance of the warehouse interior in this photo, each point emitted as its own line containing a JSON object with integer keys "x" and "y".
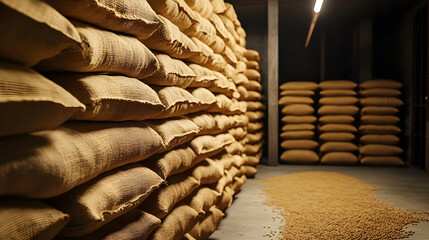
{"x": 214, "y": 119}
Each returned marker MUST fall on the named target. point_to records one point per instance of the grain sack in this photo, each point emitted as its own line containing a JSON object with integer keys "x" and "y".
{"x": 241, "y": 79}
{"x": 229, "y": 25}
{"x": 380, "y": 150}
{"x": 255, "y": 116}
{"x": 174, "y": 131}
{"x": 206, "y": 97}
{"x": 339, "y": 158}
{"x": 220, "y": 27}
{"x": 379, "y": 129}
{"x": 254, "y": 127}
{"x": 226, "y": 199}
{"x": 177, "y": 11}
{"x": 55, "y": 161}
{"x": 382, "y": 161}
{"x": 104, "y": 51}
{"x": 337, "y": 93}
{"x": 206, "y": 56}
{"x": 206, "y": 172}
{"x": 378, "y": 110}
{"x": 224, "y": 159}
{"x": 241, "y": 65}
{"x": 380, "y": 92}
{"x": 224, "y": 122}
{"x": 338, "y": 110}
{"x": 132, "y": 17}
{"x": 134, "y": 224}
{"x": 254, "y": 106}
{"x": 244, "y": 93}
{"x": 171, "y": 72}
{"x": 299, "y": 156}
{"x": 298, "y": 127}
{"x": 177, "y": 102}
{"x": 106, "y": 197}
{"x": 299, "y": 119}
{"x": 31, "y": 102}
{"x": 204, "y": 7}
{"x": 202, "y": 199}
{"x": 337, "y": 136}
{"x": 297, "y": 135}
{"x": 162, "y": 201}
{"x": 238, "y": 133}
{"x": 288, "y": 100}
{"x": 169, "y": 39}
{"x": 334, "y": 127}
{"x": 299, "y": 144}
{"x": 205, "y": 122}
{"x": 381, "y": 101}
{"x": 253, "y": 65}
{"x": 223, "y": 104}
{"x": 253, "y": 86}
{"x": 385, "y": 139}
{"x": 252, "y": 74}
{"x": 238, "y": 160}
{"x": 338, "y": 147}
{"x": 204, "y": 76}
{"x": 240, "y": 120}
{"x": 305, "y": 93}
{"x": 337, "y": 84}
{"x": 346, "y": 119}
{"x": 253, "y": 160}
{"x": 250, "y": 171}
{"x": 203, "y": 30}
{"x": 230, "y": 57}
{"x": 28, "y": 219}
{"x": 380, "y": 83}
{"x": 299, "y": 86}
{"x": 380, "y": 119}
{"x": 255, "y": 137}
{"x": 225, "y": 139}
{"x": 204, "y": 228}
{"x": 33, "y": 31}
{"x": 238, "y": 183}
{"x": 254, "y": 96}
{"x": 235, "y": 148}
{"x": 253, "y": 149}
{"x": 110, "y": 98}
{"x": 176, "y": 224}
{"x": 218, "y": 6}
{"x": 252, "y": 55}
{"x": 298, "y": 109}
{"x": 177, "y": 160}
{"x": 231, "y": 14}
{"x": 338, "y": 100}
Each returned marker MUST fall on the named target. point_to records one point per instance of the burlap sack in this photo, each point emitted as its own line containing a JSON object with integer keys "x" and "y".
{"x": 338, "y": 147}
{"x": 298, "y": 119}
{"x": 132, "y": 17}
{"x": 346, "y": 119}
{"x": 303, "y": 93}
{"x": 338, "y": 110}
{"x": 171, "y": 72}
{"x": 241, "y": 79}
{"x": 378, "y": 110}
{"x": 33, "y": 31}
{"x": 337, "y": 93}
{"x": 224, "y": 159}
{"x": 202, "y": 199}
{"x": 299, "y": 156}
{"x": 288, "y": 100}
{"x": 253, "y": 86}
{"x": 380, "y": 92}
{"x": 203, "y": 29}
{"x": 381, "y": 101}
{"x": 240, "y": 120}
{"x": 337, "y": 136}
{"x": 252, "y": 74}
{"x": 174, "y": 131}
{"x": 29, "y": 219}
{"x": 207, "y": 172}
{"x": 252, "y": 55}
{"x": 30, "y": 102}
{"x": 176, "y": 224}
{"x": 380, "y": 119}
{"x": 104, "y": 51}
{"x": 253, "y": 65}
{"x": 250, "y": 171}
{"x": 241, "y": 65}
{"x": 204, "y": 7}
{"x": 42, "y": 168}
{"x": 177, "y": 11}
{"x": 255, "y": 116}
{"x": 254, "y": 127}
{"x": 218, "y": 6}
{"x": 299, "y": 86}
{"x": 254, "y": 96}
{"x": 204, "y": 76}
{"x": 339, "y": 158}
{"x": 254, "y": 106}
{"x": 380, "y": 150}
{"x": 385, "y": 139}
{"x": 337, "y": 84}
{"x": 204, "y": 228}
{"x": 297, "y": 135}
{"x": 169, "y": 39}
{"x": 218, "y": 45}
{"x": 235, "y": 148}
{"x": 205, "y": 97}
{"x": 205, "y": 122}
{"x": 223, "y": 104}
{"x": 238, "y": 160}
{"x": 299, "y": 144}
{"x": 225, "y": 139}
{"x": 134, "y": 224}
{"x": 230, "y": 58}
{"x": 162, "y": 201}
{"x": 338, "y": 100}
{"x": 229, "y": 25}
{"x": 106, "y": 197}
{"x": 177, "y": 102}
{"x": 379, "y": 129}
{"x": 206, "y": 56}
{"x": 244, "y": 93}
{"x": 231, "y": 14}
{"x": 226, "y": 199}
{"x": 252, "y": 149}
{"x": 238, "y": 183}
{"x": 255, "y": 137}
{"x": 298, "y": 109}
{"x": 110, "y": 98}
{"x": 335, "y": 127}
{"x": 223, "y": 85}
{"x": 238, "y": 133}
{"x": 380, "y": 83}
{"x": 177, "y": 160}
{"x": 220, "y": 27}
{"x": 253, "y": 160}
{"x": 207, "y": 145}
{"x": 382, "y": 161}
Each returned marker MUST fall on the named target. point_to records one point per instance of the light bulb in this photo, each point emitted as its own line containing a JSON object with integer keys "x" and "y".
{"x": 318, "y": 6}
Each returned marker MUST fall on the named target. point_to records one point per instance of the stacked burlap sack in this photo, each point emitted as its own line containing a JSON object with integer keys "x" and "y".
{"x": 154, "y": 150}
{"x": 250, "y": 90}
{"x": 379, "y": 131}
{"x": 337, "y": 110}
{"x": 299, "y": 122}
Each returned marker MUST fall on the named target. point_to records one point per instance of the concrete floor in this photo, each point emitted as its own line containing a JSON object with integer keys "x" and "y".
{"x": 248, "y": 218}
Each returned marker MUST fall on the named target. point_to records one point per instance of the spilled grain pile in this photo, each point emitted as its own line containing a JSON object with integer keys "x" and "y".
{"x": 323, "y": 205}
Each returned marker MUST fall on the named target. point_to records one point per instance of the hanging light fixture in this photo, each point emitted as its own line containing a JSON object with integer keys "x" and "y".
{"x": 316, "y": 9}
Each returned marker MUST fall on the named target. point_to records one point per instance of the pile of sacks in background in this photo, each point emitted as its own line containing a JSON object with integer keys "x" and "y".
{"x": 156, "y": 146}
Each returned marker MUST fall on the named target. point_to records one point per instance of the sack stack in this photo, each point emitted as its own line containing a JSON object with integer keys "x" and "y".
{"x": 379, "y": 123}
{"x": 156, "y": 146}
{"x": 251, "y": 92}
{"x": 298, "y": 131}
{"x": 337, "y": 111}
